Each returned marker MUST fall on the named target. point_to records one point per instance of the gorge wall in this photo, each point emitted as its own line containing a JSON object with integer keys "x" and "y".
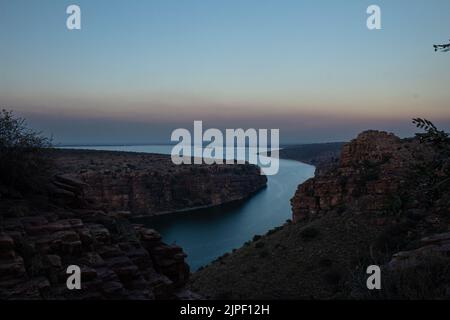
{"x": 370, "y": 172}
{"x": 146, "y": 184}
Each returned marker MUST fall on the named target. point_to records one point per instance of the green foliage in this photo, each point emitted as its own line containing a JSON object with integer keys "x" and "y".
{"x": 442, "y": 47}
{"x": 432, "y": 134}
{"x": 433, "y": 172}
{"x": 22, "y": 163}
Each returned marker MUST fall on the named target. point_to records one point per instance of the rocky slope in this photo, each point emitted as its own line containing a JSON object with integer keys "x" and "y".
{"x": 372, "y": 170}
{"x": 382, "y": 204}
{"x": 81, "y": 217}
{"x": 118, "y": 260}
{"x": 147, "y": 184}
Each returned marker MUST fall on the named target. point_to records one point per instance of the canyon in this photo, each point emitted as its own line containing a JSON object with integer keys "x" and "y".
{"x": 385, "y": 201}
{"x": 380, "y": 200}
{"x": 82, "y": 217}
{"x": 150, "y": 184}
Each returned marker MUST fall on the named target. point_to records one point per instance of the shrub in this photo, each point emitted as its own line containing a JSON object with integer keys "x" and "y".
{"x": 257, "y": 237}
{"x": 22, "y": 163}
{"x": 259, "y": 244}
{"x": 395, "y": 237}
{"x": 309, "y": 233}
{"x": 264, "y": 254}
{"x": 325, "y": 263}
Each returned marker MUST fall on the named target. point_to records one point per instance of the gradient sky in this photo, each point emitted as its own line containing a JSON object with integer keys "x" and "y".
{"x": 139, "y": 69}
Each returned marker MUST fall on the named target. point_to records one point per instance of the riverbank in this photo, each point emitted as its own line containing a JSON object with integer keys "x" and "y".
{"x": 324, "y": 156}
{"x": 150, "y": 184}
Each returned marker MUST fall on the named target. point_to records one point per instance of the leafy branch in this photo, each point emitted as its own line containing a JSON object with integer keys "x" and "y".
{"x": 432, "y": 134}
{"x": 442, "y": 47}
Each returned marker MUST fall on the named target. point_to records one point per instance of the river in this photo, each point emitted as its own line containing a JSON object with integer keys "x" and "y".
{"x": 207, "y": 234}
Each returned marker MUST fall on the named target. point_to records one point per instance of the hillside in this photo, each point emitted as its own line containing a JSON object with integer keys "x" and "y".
{"x": 385, "y": 203}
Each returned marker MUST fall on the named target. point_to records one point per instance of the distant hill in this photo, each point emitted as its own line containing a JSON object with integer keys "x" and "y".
{"x": 321, "y": 155}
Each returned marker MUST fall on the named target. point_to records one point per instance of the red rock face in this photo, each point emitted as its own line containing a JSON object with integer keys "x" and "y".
{"x": 147, "y": 185}
{"x": 118, "y": 260}
{"x": 370, "y": 174}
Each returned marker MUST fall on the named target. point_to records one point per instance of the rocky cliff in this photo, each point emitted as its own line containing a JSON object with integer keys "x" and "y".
{"x": 118, "y": 260}
{"x": 146, "y": 184}
{"x": 372, "y": 170}
{"x": 387, "y": 202}
{"x": 81, "y": 217}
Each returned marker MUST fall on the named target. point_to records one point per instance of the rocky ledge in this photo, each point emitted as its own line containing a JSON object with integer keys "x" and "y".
{"x": 149, "y": 184}
{"x": 118, "y": 260}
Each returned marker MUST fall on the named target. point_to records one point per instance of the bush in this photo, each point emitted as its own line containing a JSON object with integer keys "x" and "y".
{"x": 309, "y": 233}
{"x": 395, "y": 237}
{"x": 259, "y": 245}
{"x": 264, "y": 253}
{"x": 325, "y": 263}
{"x": 257, "y": 237}
{"x": 22, "y": 162}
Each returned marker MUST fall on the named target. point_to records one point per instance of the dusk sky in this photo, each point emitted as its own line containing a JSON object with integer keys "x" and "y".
{"x": 139, "y": 69}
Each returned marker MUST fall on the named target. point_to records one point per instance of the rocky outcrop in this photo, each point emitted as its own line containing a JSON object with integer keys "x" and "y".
{"x": 147, "y": 184}
{"x": 435, "y": 245}
{"x": 370, "y": 175}
{"x": 118, "y": 260}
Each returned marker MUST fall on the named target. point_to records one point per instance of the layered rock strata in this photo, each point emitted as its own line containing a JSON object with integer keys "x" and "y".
{"x": 147, "y": 184}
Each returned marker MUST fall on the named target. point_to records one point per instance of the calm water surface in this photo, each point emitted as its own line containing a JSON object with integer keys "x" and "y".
{"x": 209, "y": 233}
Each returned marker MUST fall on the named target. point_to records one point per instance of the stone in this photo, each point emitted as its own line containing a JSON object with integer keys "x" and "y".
{"x": 54, "y": 261}
{"x": 6, "y": 242}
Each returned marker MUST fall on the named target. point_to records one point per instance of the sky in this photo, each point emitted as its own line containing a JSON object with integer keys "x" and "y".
{"x": 137, "y": 70}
